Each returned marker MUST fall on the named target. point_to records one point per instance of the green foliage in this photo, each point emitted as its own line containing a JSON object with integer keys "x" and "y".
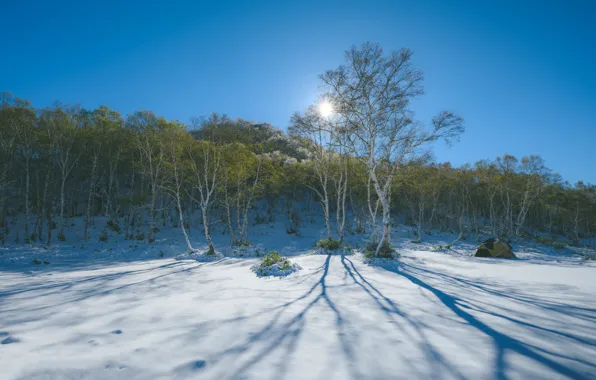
{"x": 385, "y": 252}
{"x": 261, "y": 138}
{"x": 285, "y": 265}
{"x": 271, "y": 258}
{"x": 439, "y": 194}
{"x": 329, "y": 244}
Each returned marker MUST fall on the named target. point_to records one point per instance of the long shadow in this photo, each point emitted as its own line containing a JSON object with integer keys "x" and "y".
{"x": 588, "y": 314}
{"x": 101, "y": 290}
{"x": 286, "y": 335}
{"x": 434, "y": 356}
{"x": 502, "y": 342}
{"x": 68, "y": 284}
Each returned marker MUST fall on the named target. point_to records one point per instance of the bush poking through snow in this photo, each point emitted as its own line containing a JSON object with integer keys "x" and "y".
{"x": 274, "y": 264}
{"x": 36, "y": 261}
{"x": 272, "y": 258}
{"x": 386, "y": 251}
{"x": 329, "y": 244}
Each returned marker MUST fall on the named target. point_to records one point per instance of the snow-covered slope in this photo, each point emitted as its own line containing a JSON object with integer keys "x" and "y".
{"x": 127, "y": 314}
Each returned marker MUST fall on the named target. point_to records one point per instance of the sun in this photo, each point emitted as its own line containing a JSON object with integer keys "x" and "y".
{"x": 325, "y": 108}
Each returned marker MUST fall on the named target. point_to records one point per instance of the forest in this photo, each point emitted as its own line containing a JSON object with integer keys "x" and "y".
{"x": 357, "y": 157}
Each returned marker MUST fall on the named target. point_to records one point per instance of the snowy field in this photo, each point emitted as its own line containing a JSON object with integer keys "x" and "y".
{"x": 119, "y": 310}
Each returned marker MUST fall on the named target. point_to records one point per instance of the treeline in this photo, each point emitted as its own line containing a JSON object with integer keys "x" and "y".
{"x": 357, "y": 157}
{"x": 143, "y": 173}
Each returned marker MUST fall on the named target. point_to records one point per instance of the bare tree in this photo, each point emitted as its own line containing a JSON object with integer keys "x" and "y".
{"x": 317, "y": 136}
{"x": 152, "y": 157}
{"x": 63, "y": 132}
{"x": 372, "y": 93}
{"x": 177, "y": 141}
{"x": 204, "y": 160}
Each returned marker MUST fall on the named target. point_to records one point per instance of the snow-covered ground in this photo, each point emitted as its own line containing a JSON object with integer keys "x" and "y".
{"x": 118, "y": 310}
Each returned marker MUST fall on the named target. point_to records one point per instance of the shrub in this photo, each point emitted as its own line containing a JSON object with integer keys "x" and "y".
{"x": 274, "y": 264}
{"x": 260, "y": 219}
{"x": 590, "y": 256}
{"x": 46, "y": 261}
{"x": 36, "y": 261}
{"x": 61, "y": 237}
{"x": 286, "y": 265}
{"x": 385, "y": 251}
{"x": 272, "y": 258}
{"x": 329, "y": 244}
{"x": 140, "y": 235}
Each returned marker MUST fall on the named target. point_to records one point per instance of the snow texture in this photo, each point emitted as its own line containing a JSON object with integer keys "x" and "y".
{"x": 427, "y": 314}
{"x": 342, "y": 251}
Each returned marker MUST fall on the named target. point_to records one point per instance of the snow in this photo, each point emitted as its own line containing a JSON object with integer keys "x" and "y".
{"x": 119, "y": 310}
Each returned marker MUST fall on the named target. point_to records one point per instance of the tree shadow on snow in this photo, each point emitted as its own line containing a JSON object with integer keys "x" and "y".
{"x": 285, "y": 335}
{"x": 502, "y": 342}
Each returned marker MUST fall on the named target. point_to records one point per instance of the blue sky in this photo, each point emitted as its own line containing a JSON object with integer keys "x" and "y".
{"x": 522, "y": 74}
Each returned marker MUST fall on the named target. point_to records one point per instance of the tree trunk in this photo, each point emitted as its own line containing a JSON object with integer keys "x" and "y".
{"x": 206, "y": 228}
{"x": 62, "y": 185}
{"x": 150, "y": 238}
{"x": 181, "y": 218}
{"x": 90, "y": 198}
{"x": 27, "y": 207}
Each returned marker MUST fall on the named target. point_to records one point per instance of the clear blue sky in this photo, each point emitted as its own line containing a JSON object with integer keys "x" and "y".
{"x": 522, "y": 74}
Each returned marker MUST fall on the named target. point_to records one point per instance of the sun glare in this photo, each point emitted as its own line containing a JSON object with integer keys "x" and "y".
{"x": 325, "y": 109}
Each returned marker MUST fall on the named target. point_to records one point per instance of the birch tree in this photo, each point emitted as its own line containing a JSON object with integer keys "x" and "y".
{"x": 204, "y": 159}
{"x": 240, "y": 184}
{"x": 63, "y": 132}
{"x": 372, "y": 93}
{"x": 152, "y": 157}
{"x": 178, "y": 170}
{"x": 313, "y": 128}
